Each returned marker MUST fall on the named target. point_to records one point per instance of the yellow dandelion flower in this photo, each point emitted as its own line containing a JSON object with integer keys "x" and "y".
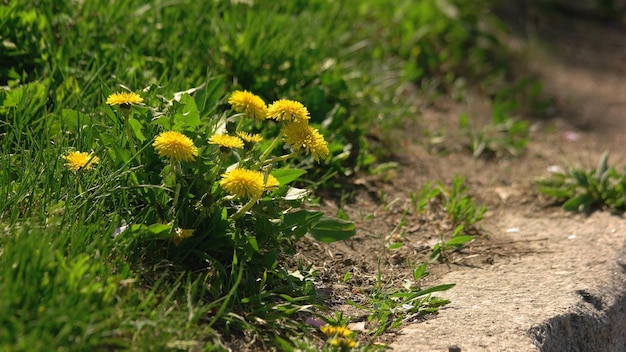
{"x": 327, "y": 329}
{"x": 181, "y": 234}
{"x": 331, "y": 330}
{"x": 226, "y": 141}
{"x": 243, "y": 183}
{"x": 342, "y": 342}
{"x": 302, "y": 136}
{"x": 249, "y": 137}
{"x": 271, "y": 183}
{"x": 176, "y": 146}
{"x": 76, "y": 160}
{"x": 124, "y": 99}
{"x": 288, "y": 111}
{"x": 249, "y": 104}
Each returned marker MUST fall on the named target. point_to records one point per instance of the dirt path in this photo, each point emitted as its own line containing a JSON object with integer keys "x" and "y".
{"x": 564, "y": 291}
{"x": 539, "y": 277}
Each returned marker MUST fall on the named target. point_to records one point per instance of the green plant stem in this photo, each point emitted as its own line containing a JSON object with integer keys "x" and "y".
{"x": 246, "y": 207}
{"x": 267, "y": 151}
{"x": 176, "y": 197}
{"x": 173, "y": 166}
{"x": 129, "y": 136}
{"x": 273, "y": 160}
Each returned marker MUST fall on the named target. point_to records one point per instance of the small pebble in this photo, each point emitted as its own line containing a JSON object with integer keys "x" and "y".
{"x": 454, "y": 348}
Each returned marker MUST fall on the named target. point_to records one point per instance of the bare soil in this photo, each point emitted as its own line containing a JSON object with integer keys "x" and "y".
{"x": 581, "y": 64}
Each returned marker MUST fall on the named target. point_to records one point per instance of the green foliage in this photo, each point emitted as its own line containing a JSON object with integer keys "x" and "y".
{"x": 460, "y": 208}
{"x": 174, "y": 211}
{"x": 456, "y": 241}
{"x": 390, "y": 307}
{"x": 463, "y": 212}
{"x": 420, "y": 201}
{"x": 441, "y": 41}
{"x": 66, "y": 282}
{"x": 344, "y": 68}
{"x": 587, "y": 190}
{"x": 185, "y": 211}
{"x": 24, "y": 43}
{"x": 49, "y": 301}
{"x": 503, "y": 136}
{"x": 459, "y": 205}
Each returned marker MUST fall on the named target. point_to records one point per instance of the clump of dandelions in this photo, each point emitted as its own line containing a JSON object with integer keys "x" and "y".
{"x": 175, "y": 146}
{"x": 76, "y": 160}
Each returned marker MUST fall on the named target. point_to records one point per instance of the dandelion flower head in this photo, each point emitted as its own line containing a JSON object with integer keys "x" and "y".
{"x": 330, "y": 330}
{"x": 302, "y": 136}
{"x": 75, "y": 160}
{"x": 249, "y": 104}
{"x": 226, "y": 141}
{"x": 181, "y": 234}
{"x": 124, "y": 99}
{"x": 243, "y": 183}
{"x": 288, "y": 111}
{"x": 176, "y": 146}
{"x": 342, "y": 342}
{"x": 249, "y": 137}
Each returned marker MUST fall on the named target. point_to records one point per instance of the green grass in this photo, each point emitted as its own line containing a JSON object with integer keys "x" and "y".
{"x": 68, "y": 283}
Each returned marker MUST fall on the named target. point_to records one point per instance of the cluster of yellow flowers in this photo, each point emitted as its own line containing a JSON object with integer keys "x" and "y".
{"x": 297, "y": 133}
{"x": 243, "y": 183}
{"x": 339, "y": 336}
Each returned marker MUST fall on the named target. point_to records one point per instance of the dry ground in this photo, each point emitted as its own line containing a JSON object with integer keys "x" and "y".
{"x": 582, "y": 66}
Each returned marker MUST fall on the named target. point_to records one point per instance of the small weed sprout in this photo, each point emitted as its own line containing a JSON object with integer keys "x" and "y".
{"x": 461, "y": 207}
{"x": 461, "y": 210}
{"x": 504, "y": 135}
{"x": 427, "y": 194}
{"x": 390, "y": 307}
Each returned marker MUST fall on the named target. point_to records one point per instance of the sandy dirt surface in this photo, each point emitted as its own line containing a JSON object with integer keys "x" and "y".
{"x": 536, "y": 277}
